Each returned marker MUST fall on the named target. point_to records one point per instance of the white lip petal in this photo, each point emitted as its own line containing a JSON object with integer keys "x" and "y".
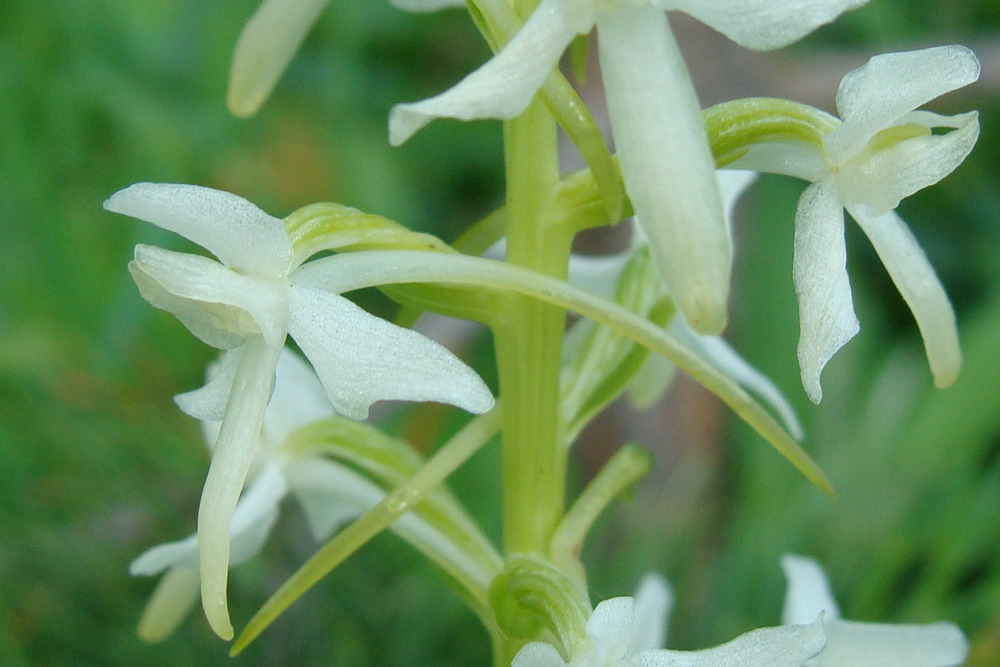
{"x": 763, "y": 24}
{"x": 267, "y": 44}
{"x": 917, "y": 282}
{"x": 826, "y": 309}
{"x": 875, "y": 96}
{"x": 202, "y": 279}
{"x": 361, "y": 358}
{"x": 808, "y": 593}
{"x": 791, "y": 159}
{"x": 504, "y": 86}
{"x": 235, "y": 448}
{"x": 610, "y": 626}
{"x": 230, "y": 227}
{"x": 764, "y": 647}
{"x": 891, "y": 174}
{"x": 931, "y": 645}
{"x": 298, "y": 398}
{"x": 666, "y": 163}
{"x": 255, "y": 514}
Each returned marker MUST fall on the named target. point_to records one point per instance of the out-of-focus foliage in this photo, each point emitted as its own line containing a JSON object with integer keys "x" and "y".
{"x": 96, "y": 464}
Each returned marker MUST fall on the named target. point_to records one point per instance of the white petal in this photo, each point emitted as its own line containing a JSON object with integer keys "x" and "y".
{"x": 267, "y": 44}
{"x": 808, "y": 593}
{"x": 598, "y": 273}
{"x": 255, "y": 515}
{"x": 230, "y": 227}
{"x": 234, "y": 451}
{"x": 889, "y": 175}
{"x": 182, "y": 553}
{"x": 653, "y": 600}
{"x": 884, "y": 645}
{"x": 361, "y": 358}
{"x": 610, "y": 627}
{"x": 732, "y": 184}
{"x": 826, "y": 308}
{"x": 876, "y": 95}
{"x": 722, "y": 355}
{"x": 208, "y": 403}
{"x": 917, "y": 282}
{"x": 204, "y": 323}
{"x": 666, "y": 163}
{"x": 170, "y": 603}
{"x": 504, "y": 86}
{"x": 763, "y": 24}
{"x": 298, "y": 399}
{"x": 255, "y": 305}
{"x": 783, "y": 646}
{"x": 538, "y": 654}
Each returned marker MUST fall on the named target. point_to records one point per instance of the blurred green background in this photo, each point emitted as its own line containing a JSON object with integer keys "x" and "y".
{"x": 96, "y": 464}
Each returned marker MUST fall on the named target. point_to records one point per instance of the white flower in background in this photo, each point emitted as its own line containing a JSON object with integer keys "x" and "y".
{"x": 630, "y": 632}
{"x": 655, "y": 116}
{"x": 271, "y": 38}
{"x": 882, "y": 152}
{"x": 853, "y": 644}
{"x": 248, "y": 302}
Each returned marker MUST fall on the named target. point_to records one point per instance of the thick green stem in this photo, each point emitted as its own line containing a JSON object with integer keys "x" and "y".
{"x": 529, "y": 341}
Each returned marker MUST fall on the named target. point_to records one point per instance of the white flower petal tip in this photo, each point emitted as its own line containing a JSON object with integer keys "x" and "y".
{"x": 764, "y": 24}
{"x": 504, "y": 86}
{"x": 855, "y": 643}
{"x": 265, "y": 47}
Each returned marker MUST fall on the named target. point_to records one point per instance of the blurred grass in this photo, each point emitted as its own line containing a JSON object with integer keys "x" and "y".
{"x": 96, "y": 464}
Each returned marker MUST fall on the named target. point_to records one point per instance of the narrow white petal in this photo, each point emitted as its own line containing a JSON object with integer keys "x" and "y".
{"x": 267, "y": 44}
{"x": 361, "y": 358}
{"x": 666, "y": 163}
{"x": 255, "y": 514}
{"x": 819, "y": 271}
{"x": 763, "y": 24}
{"x": 504, "y": 86}
{"x": 876, "y": 95}
{"x": 234, "y": 451}
{"x": 808, "y": 593}
{"x": 250, "y": 304}
{"x": 230, "y": 227}
{"x": 782, "y": 646}
{"x": 182, "y": 553}
{"x": 208, "y": 403}
{"x": 205, "y": 324}
{"x": 732, "y": 184}
{"x": 791, "y": 159}
{"x": 170, "y": 603}
{"x": 917, "y": 282}
{"x": 886, "y": 176}
{"x": 653, "y": 600}
{"x": 884, "y": 645}
{"x": 610, "y": 627}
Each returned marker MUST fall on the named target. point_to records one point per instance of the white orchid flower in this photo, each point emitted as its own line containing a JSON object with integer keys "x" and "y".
{"x": 881, "y": 152}
{"x": 248, "y": 302}
{"x": 666, "y": 162}
{"x": 854, "y": 644}
{"x": 630, "y": 632}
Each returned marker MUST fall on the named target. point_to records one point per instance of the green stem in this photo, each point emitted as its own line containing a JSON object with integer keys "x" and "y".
{"x": 529, "y": 340}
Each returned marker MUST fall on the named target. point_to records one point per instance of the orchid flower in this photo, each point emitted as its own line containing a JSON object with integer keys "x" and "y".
{"x": 854, "y": 644}
{"x": 663, "y": 149}
{"x": 630, "y": 632}
{"x": 328, "y": 492}
{"x": 248, "y": 303}
{"x": 882, "y": 151}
